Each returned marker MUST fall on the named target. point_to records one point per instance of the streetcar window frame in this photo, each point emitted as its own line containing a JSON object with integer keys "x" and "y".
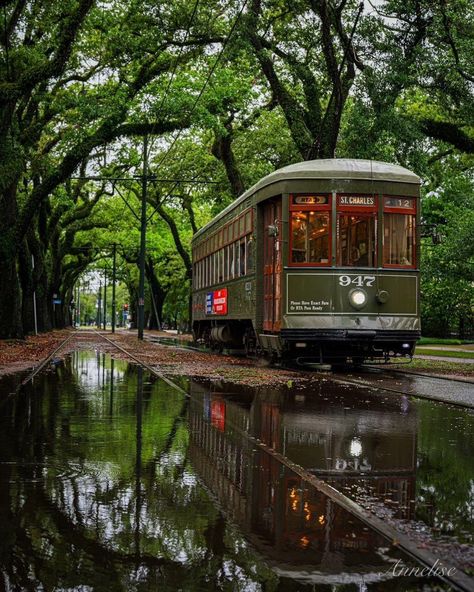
{"x": 408, "y": 210}
{"x": 367, "y": 211}
{"x": 226, "y": 252}
{"x": 316, "y": 208}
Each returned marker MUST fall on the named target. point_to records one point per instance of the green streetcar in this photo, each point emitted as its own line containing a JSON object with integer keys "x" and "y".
{"x": 318, "y": 261}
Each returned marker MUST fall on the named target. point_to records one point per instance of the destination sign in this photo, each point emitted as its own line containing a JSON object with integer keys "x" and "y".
{"x": 356, "y": 200}
{"x": 309, "y": 200}
{"x": 399, "y": 202}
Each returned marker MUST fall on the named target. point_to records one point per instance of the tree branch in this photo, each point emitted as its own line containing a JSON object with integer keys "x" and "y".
{"x": 448, "y": 132}
{"x": 450, "y": 39}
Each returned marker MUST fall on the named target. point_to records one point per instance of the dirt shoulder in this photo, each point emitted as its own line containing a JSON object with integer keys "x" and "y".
{"x": 17, "y": 355}
{"x": 179, "y": 361}
{"x": 20, "y": 355}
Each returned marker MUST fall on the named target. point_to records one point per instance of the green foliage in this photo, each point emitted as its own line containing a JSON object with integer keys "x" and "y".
{"x": 447, "y": 295}
{"x": 77, "y": 73}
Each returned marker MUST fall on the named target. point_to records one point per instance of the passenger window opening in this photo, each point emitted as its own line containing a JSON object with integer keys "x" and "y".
{"x": 242, "y": 256}
{"x": 250, "y": 258}
{"x": 310, "y": 237}
{"x": 398, "y": 241}
{"x": 357, "y": 245}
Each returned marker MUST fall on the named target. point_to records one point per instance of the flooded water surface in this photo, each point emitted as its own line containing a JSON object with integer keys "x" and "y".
{"x": 111, "y": 480}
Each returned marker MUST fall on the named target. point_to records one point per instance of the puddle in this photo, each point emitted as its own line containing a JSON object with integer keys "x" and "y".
{"x": 109, "y": 480}
{"x": 413, "y": 456}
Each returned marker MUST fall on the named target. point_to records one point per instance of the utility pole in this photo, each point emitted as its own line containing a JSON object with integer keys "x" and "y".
{"x": 99, "y": 306}
{"x": 114, "y": 273}
{"x": 35, "y": 315}
{"x": 141, "y": 287}
{"x": 105, "y": 299}
{"x": 78, "y": 305}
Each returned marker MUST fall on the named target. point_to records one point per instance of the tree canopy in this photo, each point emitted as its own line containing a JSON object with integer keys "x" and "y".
{"x": 227, "y": 92}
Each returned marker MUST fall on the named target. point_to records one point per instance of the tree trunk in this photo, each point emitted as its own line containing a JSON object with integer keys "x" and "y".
{"x": 10, "y": 295}
{"x": 10, "y": 298}
{"x": 222, "y": 150}
{"x": 27, "y": 288}
{"x": 157, "y": 293}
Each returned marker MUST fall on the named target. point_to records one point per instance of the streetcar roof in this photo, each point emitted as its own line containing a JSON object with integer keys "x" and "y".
{"x": 329, "y": 168}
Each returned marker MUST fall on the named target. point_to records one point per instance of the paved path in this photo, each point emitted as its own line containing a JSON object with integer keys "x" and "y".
{"x": 443, "y": 359}
{"x": 438, "y": 389}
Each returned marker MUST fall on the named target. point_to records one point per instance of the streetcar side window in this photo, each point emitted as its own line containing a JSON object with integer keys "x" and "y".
{"x": 236, "y": 259}
{"x": 356, "y": 233}
{"x": 310, "y": 237}
{"x": 310, "y": 229}
{"x": 399, "y": 225}
{"x": 231, "y": 261}
{"x": 250, "y": 259}
{"x": 227, "y": 254}
{"x": 221, "y": 265}
{"x": 242, "y": 256}
{"x": 398, "y": 240}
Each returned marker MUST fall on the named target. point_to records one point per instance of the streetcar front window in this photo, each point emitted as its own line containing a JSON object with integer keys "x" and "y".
{"x": 310, "y": 237}
{"x": 398, "y": 240}
{"x": 356, "y": 240}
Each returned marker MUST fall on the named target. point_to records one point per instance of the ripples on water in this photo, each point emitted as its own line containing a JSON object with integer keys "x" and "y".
{"x": 109, "y": 480}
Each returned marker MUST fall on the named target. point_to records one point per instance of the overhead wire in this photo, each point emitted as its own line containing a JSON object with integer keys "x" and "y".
{"x": 164, "y": 96}
{"x": 175, "y": 68}
{"x": 206, "y": 82}
{"x": 198, "y": 98}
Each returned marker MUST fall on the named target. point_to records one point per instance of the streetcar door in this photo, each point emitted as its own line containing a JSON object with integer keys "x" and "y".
{"x": 272, "y": 265}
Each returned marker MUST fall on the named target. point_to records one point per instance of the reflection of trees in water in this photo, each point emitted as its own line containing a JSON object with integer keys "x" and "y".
{"x": 445, "y": 486}
{"x": 81, "y": 508}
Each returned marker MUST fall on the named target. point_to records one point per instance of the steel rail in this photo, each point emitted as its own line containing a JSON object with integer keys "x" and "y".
{"x": 412, "y": 373}
{"x": 37, "y": 369}
{"x": 361, "y": 382}
{"x": 463, "y": 404}
{"x": 459, "y": 580}
{"x": 144, "y": 364}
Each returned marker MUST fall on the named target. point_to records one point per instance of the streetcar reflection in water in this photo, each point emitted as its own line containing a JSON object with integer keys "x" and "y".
{"x": 319, "y": 261}
{"x": 299, "y": 531}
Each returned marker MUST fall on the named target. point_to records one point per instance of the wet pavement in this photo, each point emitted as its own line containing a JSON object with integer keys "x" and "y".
{"x": 442, "y": 358}
{"x": 110, "y": 480}
{"x": 459, "y": 392}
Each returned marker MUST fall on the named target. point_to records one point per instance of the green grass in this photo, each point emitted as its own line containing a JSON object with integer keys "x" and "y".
{"x": 424, "y": 351}
{"x": 440, "y": 341}
{"x": 437, "y": 367}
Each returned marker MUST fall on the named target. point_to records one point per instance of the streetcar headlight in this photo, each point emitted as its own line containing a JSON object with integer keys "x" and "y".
{"x": 358, "y": 298}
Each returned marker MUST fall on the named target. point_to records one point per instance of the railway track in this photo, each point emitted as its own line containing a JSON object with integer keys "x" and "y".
{"x": 433, "y": 384}
{"x": 459, "y": 580}
{"x": 400, "y": 372}
{"x": 455, "y": 392}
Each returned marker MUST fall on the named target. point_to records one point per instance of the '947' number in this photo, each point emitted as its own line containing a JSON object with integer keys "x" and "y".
{"x": 358, "y": 280}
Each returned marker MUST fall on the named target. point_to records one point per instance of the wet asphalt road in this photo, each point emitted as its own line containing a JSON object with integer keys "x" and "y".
{"x": 440, "y": 389}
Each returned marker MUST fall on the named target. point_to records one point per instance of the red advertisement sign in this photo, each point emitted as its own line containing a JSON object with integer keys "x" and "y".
{"x": 218, "y": 414}
{"x": 219, "y": 302}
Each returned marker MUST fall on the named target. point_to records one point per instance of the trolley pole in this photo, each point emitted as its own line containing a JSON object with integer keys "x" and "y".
{"x": 114, "y": 273}
{"x": 141, "y": 287}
